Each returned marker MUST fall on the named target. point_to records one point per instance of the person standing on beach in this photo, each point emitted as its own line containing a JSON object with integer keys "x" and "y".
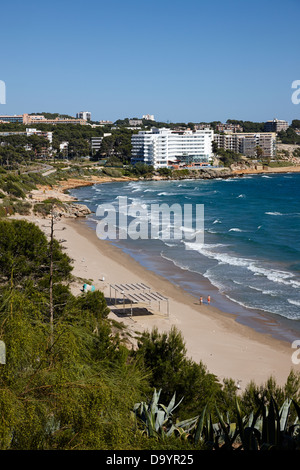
{"x": 208, "y": 299}
{"x": 201, "y": 300}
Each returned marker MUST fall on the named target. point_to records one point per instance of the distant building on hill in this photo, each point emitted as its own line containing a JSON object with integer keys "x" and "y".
{"x": 149, "y": 117}
{"x": 86, "y": 115}
{"x": 29, "y": 119}
{"x": 40, "y": 119}
{"x": 135, "y": 122}
{"x": 105, "y": 123}
{"x": 201, "y": 126}
{"x": 17, "y": 118}
{"x": 228, "y": 127}
{"x": 276, "y": 125}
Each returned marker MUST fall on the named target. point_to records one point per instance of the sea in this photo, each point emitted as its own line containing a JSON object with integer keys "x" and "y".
{"x": 248, "y": 259}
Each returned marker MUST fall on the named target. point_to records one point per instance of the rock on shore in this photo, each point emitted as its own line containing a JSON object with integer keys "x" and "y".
{"x": 72, "y": 210}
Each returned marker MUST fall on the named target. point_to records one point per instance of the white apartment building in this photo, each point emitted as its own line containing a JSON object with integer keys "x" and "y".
{"x": 86, "y": 115}
{"x": 163, "y": 148}
{"x": 149, "y": 117}
{"x": 96, "y": 143}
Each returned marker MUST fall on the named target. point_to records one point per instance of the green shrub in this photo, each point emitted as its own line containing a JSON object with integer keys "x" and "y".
{"x": 14, "y": 189}
{"x": 113, "y": 172}
{"x": 22, "y": 208}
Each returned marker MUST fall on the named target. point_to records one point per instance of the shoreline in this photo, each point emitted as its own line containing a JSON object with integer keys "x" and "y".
{"x": 227, "y": 348}
{"x": 60, "y": 190}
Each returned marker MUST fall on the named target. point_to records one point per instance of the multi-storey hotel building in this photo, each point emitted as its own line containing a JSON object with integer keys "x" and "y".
{"x": 163, "y": 148}
{"x": 248, "y": 143}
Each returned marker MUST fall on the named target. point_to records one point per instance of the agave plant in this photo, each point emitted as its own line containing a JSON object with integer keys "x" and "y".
{"x": 268, "y": 428}
{"x": 157, "y": 419}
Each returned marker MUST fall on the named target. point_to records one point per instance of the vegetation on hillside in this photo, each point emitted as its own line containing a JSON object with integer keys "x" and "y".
{"x": 115, "y": 149}
{"x": 228, "y": 157}
{"x": 289, "y": 137}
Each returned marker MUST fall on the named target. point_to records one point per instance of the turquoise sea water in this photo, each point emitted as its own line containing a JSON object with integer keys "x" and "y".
{"x": 251, "y": 250}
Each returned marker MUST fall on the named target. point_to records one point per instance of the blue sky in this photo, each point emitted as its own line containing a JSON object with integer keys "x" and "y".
{"x": 181, "y": 61}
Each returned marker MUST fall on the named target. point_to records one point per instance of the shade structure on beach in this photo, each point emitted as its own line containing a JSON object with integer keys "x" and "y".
{"x": 138, "y": 293}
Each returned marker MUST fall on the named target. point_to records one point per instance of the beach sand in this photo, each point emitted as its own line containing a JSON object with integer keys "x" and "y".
{"x": 227, "y": 348}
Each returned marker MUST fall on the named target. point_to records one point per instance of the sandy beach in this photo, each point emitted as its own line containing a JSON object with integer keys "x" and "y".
{"x": 227, "y": 348}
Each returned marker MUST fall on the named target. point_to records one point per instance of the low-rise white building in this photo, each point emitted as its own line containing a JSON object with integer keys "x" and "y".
{"x": 47, "y": 134}
{"x": 96, "y": 143}
{"x": 63, "y": 147}
{"x": 149, "y": 117}
{"x": 163, "y": 148}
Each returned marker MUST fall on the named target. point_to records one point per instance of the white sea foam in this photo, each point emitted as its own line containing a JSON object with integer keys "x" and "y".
{"x": 176, "y": 263}
{"x": 295, "y": 284}
{"x": 273, "y": 275}
{"x": 274, "y": 213}
{"x": 294, "y": 302}
{"x": 206, "y": 250}
{"x": 279, "y": 277}
{"x": 236, "y": 282}
{"x": 134, "y": 185}
{"x": 241, "y": 196}
{"x": 265, "y": 292}
{"x": 235, "y": 230}
{"x": 170, "y": 244}
{"x": 255, "y": 288}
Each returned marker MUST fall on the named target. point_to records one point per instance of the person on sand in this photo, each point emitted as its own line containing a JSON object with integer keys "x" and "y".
{"x": 201, "y": 300}
{"x": 208, "y": 299}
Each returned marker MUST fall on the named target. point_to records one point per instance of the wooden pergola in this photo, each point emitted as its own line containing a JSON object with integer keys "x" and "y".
{"x": 138, "y": 294}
